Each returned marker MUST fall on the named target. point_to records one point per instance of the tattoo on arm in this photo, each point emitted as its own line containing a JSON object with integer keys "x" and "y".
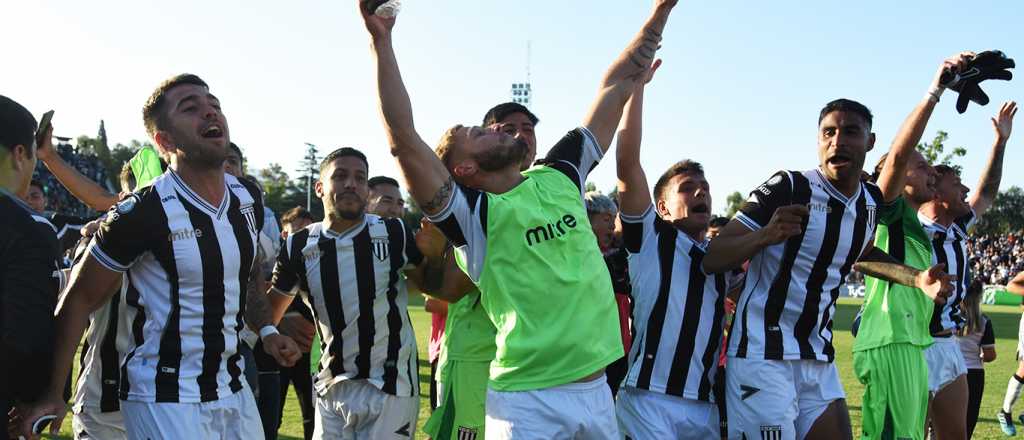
{"x": 993, "y": 176}
{"x": 257, "y": 307}
{"x": 881, "y": 265}
{"x": 440, "y": 197}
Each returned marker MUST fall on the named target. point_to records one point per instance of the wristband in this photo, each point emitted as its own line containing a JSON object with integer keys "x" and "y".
{"x": 267, "y": 331}
{"x": 935, "y": 93}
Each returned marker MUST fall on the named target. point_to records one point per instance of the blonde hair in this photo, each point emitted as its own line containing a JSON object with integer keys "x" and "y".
{"x": 971, "y": 309}
{"x": 444, "y": 147}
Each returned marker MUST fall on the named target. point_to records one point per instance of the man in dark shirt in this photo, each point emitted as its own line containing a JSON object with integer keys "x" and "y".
{"x": 29, "y": 279}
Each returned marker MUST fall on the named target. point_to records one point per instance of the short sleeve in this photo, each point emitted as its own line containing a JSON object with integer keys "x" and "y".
{"x": 122, "y": 237}
{"x": 413, "y": 255}
{"x": 637, "y": 230}
{"x": 757, "y": 210}
{"x": 988, "y": 338}
{"x": 575, "y": 155}
{"x": 463, "y": 222}
{"x": 892, "y": 212}
{"x": 286, "y": 277}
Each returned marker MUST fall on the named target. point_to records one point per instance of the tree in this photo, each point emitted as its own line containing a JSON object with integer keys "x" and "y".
{"x": 733, "y": 203}
{"x": 935, "y": 152}
{"x": 281, "y": 192}
{"x": 1006, "y": 215}
{"x": 590, "y": 187}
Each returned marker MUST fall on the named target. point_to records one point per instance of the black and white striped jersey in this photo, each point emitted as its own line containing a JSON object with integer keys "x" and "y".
{"x": 354, "y": 285}
{"x": 188, "y": 263}
{"x": 678, "y": 310}
{"x": 788, "y": 302}
{"x": 949, "y": 247}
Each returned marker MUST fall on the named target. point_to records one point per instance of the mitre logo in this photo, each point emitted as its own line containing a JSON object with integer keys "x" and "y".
{"x": 185, "y": 234}
{"x": 543, "y": 233}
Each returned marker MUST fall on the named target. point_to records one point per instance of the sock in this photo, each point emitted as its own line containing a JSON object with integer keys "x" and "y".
{"x": 1012, "y": 392}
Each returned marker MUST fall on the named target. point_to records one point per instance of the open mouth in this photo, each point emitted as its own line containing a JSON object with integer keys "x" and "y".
{"x": 212, "y": 132}
{"x": 839, "y": 160}
{"x": 701, "y": 208}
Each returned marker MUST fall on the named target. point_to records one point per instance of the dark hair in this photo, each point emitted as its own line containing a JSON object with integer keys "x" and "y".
{"x": 945, "y": 170}
{"x": 686, "y": 166}
{"x": 382, "y": 180}
{"x": 846, "y": 105}
{"x": 718, "y": 222}
{"x": 127, "y": 177}
{"x": 17, "y": 125}
{"x": 295, "y": 214}
{"x": 38, "y": 184}
{"x": 343, "y": 152}
{"x": 238, "y": 151}
{"x": 501, "y": 111}
{"x": 878, "y": 168}
{"x": 153, "y": 110}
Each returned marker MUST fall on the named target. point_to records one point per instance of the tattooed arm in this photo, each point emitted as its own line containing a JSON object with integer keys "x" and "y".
{"x": 629, "y": 68}
{"x": 934, "y": 282}
{"x": 257, "y": 308}
{"x": 988, "y": 186}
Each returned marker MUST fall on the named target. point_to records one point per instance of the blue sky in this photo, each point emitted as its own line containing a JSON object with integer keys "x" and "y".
{"x": 739, "y": 91}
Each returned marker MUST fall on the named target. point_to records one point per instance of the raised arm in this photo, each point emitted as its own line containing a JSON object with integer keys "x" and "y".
{"x": 1016, "y": 285}
{"x": 428, "y": 180}
{"x": 933, "y": 282}
{"x": 628, "y": 69}
{"x": 83, "y": 188}
{"x": 894, "y": 171}
{"x": 988, "y": 185}
{"x": 634, "y": 194}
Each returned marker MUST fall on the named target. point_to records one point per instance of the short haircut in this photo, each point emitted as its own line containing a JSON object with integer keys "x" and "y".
{"x": 127, "y": 177}
{"x": 598, "y": 203}
{"x": 153, "y": 111}
{"x": 295, "y": 214}
{"x": 38, "y": 184}
{"x": 344, "y": 152}
{"x": 945, "y": 170}
{"x": 237, "y": 150}
{"x": 501, "y": 111}
{"x": 444, "y": 147}
{"x": 718, "y": 222}
{"x": 686, "y": 166}
{"x": 846, "y": 105}
{"x": 382, "y": 180}
{"x": 17, "y": 125}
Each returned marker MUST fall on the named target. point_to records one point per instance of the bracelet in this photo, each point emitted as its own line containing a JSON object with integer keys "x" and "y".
{"x": 267, "y": 331}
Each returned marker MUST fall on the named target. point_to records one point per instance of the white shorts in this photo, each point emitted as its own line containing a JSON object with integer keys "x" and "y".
{"x": 91, "y": 423}
{"x": 945, "y": 363}
{"x": 354, "y": 409}
{"x": 1020, "y": 339}
{"x": 571, "y": 411}
{"x": 232, "y": 417}
{"x": 779, "y": 400}
{"x": 651, "y": 415}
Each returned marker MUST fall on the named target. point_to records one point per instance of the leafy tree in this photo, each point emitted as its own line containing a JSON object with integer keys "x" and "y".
{"x": 1006, "y": 215}
{"x": 590, "y": 187}
{"x": 733, "y": 203}
{"x": 281, "y": 192}
{"x": 935, "y": 151}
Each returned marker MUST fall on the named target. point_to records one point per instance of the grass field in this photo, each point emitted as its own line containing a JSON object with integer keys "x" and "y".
{"x": 1005, "y": 320}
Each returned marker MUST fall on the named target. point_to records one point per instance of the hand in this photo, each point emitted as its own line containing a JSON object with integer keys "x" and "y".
{"x": 298, "y": 328}
{"x": 430, "y": 241}
{"x": 379, "y": 27}
{"x": 23, "y": 416}
{"x": 650, "y": 72}
{"x": 949, "y": 68}
{"x": 666, "y": 3}
{"x": 1003, "y": 121}
{"x": 935, "y": 283}
{"x": 282, "y": 348}
{"x": 44, "y": 145}
{"x": 90, "y": 228}
{"x": 785, "y": 223}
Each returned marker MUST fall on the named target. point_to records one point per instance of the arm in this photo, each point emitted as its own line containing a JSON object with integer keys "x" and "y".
{"x": 628, "y": 69}
{"x": 988, "y": 185}
{"x": 260, "y": 315}
{"x": 932, "y": 282}
{"x": 988, "y": 354}
{"x": 634, "y": 194}
{"x": 430, "y": 184}
{"x": 83, "y": 188}
{"x": 1016, "y": 285}
{"x": 737, "y": 243}
{"x": 432, "y": 305}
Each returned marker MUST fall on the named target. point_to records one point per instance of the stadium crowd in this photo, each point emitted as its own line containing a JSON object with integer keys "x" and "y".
{"x": 996, "y": 259}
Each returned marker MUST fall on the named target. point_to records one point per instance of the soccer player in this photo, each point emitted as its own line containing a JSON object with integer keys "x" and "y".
{"x": 294, "y": 220}
{"x": 28, "y": 263}
{"x": 517, "y": 121}
{"x": 946, "y": 219}
{"x": 802, "y": 232}
{"x": 524, "y": 239}
{"x": 385, "y": 198}
{"x": 678, "y": 308}
{"x": 189, "y": 244}
{"x": 348, "y": 269}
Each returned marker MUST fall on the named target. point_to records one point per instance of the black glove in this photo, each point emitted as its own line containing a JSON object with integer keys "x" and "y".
{"x": 372, "y": 5}
{"x": 990, "y": 64}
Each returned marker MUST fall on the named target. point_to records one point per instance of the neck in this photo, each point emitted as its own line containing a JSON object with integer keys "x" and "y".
{"x": 847, "y": 187}
{"x": 208, "y": 183}
{"x": 9, "y": 183}
{"x": 697, "y": 235}
{"x": 501, "y": 181}
{"x": 339, "y": 224}
{"x": 937, "y": 213}
{"x": 911, "y": 203}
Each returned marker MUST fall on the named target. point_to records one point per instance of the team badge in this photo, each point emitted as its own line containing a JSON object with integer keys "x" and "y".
{"x": 466, "y": 433}
{"x": 250, "y": 216}
{"x": 380, "y": 248}
{"x": 871, "y": 217}
{"x": 771, "y": 432}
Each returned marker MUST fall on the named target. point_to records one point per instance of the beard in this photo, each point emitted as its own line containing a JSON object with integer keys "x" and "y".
{"x": 202, "y": 156}
{"x": 349, "y": 214}
{"x": 500, "y": 157}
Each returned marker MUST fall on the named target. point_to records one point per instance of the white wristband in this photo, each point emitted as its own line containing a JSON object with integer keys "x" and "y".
{"x": 267, "y": 331}
{"x": 935, "y": 93}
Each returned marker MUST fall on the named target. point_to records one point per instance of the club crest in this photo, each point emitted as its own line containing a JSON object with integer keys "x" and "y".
{"x": 250, "y": 217}
{"x": 381, "y": 248}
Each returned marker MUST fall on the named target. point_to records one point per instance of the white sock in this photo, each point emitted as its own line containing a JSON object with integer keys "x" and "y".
{"x": 1012, "y": 392}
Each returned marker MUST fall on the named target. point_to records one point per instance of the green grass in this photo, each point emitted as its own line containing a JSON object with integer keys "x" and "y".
{"x": 1005, "y": 320}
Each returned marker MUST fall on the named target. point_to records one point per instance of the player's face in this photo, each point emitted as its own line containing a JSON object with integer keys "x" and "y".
{"x": 233, "y": 163}
{"x": 519, "y": 126}
{"x": 603, "y": 225}
{"x": 36, "y": 199}
{"x": 386, "y": 201}
{"x": 713, "y": 231}
{"x": 197, "y": 132}
{"x": 920, "y": 183}
{"x": 686, "y": 202}
{"x": 952, "y": 194}
{"x": 342, "y": 187}
{"x": 843, "y": 141}
{"x": 493, "y": 150}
